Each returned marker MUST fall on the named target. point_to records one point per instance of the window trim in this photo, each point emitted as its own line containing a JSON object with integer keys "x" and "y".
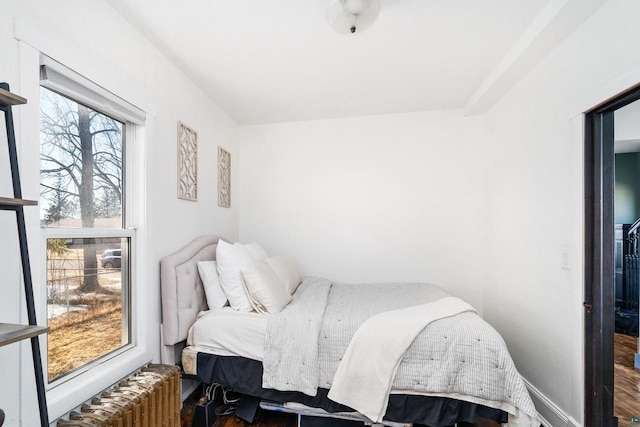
{"x": 61, "y": 232}
{"x": 87, "y": 381}
{"x": 31, "y": 43}
{"x": 95, "y": 232}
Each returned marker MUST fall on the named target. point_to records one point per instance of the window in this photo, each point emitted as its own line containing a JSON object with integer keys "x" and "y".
{"x": 84, "y": 213}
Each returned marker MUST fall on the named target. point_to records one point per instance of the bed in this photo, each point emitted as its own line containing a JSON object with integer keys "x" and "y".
{"x": 441, "y": 376}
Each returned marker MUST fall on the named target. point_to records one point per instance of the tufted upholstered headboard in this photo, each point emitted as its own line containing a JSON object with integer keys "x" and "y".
{"x": 182, "y": 293}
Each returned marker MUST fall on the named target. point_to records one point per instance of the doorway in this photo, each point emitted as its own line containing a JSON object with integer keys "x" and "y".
{"x": 611, "y": 289}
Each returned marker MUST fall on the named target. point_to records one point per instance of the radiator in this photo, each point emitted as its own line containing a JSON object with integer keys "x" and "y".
{"x": 149, "y": 397}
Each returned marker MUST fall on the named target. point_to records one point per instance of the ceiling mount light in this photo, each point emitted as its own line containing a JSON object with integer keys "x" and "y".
{"x": 349, "y": 16}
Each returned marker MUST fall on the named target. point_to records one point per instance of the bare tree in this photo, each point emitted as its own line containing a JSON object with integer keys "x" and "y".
{"x": 81, "y": 158}
{"x": 60, "y": 207}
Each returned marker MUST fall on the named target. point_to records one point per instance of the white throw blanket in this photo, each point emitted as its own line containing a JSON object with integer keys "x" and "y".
{"x": 365, "y": 375}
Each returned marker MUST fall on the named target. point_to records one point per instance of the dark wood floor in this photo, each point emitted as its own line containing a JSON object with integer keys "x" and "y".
{"x": 265, "y": 418}
{"x": 626, "y": 380}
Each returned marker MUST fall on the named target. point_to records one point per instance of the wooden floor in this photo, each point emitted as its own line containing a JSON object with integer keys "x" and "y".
{"x": 626, "y": 381}
{"x": 265, "y": 418}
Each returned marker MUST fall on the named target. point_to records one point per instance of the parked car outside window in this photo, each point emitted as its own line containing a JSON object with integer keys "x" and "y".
{"x": 111, "y": 258}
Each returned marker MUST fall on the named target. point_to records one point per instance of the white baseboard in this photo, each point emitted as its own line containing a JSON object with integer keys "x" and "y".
{"x": 551, "y": 414}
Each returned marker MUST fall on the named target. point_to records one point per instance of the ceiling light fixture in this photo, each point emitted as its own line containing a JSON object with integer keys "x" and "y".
{"x": 349, "y": 16}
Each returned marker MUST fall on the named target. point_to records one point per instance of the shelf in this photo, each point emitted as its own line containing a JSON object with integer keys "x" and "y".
{"x": 10, "y": 333}
{"x": 9, "y": 202}
{"x": 8, "y": 98}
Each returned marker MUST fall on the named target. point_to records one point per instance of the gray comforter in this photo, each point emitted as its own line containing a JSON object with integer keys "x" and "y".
{"x": 462, "y": 355}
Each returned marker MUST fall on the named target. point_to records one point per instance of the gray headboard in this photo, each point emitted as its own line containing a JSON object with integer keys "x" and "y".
{"x": 182, "y": 293}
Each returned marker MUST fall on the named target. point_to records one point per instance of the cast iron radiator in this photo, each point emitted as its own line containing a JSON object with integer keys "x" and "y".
{"x": 149, "y": 397}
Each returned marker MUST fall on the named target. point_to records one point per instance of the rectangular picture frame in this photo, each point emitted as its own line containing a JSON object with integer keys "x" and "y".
{"x": 224, "y": 178}
{"x": 187, "y": 163}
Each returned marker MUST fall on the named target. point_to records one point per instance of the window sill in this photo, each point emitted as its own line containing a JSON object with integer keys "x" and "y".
{"x": 68, "y": 394}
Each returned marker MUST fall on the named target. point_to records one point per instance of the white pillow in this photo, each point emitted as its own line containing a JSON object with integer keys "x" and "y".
{"x": 264, "y": 288}
{"x": 216, "y": 298}
{"x": 231, "y": 259}
{"x": 286, "y": 271}
{"x": 256, "y": 251}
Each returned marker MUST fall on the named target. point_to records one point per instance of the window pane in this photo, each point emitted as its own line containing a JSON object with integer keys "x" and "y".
{"x": 81, "y": 169}
{"x": 87, "y": 300}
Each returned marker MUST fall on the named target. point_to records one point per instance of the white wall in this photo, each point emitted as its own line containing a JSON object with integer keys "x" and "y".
{"x": 379, "y": 198}
{"x": 534, "y": 200}
{"x": 93, "y": 39}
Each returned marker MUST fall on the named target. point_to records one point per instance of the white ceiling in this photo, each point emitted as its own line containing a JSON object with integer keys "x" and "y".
{"x": 278, "y": 60}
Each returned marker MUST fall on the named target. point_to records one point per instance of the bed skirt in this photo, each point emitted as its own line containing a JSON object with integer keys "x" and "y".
{"x": 245, "y": 376}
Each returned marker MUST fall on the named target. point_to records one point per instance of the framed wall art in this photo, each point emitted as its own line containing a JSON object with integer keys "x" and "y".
{"x": 224, "y": 178}
{"x": 187, "y": 163}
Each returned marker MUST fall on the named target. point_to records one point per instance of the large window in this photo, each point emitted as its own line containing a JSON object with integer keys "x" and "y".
{"x": 84, "y": 215}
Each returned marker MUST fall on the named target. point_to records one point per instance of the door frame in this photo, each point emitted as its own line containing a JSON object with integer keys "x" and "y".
{"x": 599, "y": 303}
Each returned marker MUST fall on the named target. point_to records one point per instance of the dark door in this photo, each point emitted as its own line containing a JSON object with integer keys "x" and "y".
{"x": 599, "y": 304}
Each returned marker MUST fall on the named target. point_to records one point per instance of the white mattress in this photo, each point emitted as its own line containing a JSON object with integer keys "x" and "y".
{"x": 227, "y": 332}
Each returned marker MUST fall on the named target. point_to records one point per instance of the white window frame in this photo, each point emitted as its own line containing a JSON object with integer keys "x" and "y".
{"x": 81, "y": 384}
{"x": 129, "y": 314}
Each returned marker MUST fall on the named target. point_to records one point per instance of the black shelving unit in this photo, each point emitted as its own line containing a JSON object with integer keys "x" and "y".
{"x": 11, "y": 333}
